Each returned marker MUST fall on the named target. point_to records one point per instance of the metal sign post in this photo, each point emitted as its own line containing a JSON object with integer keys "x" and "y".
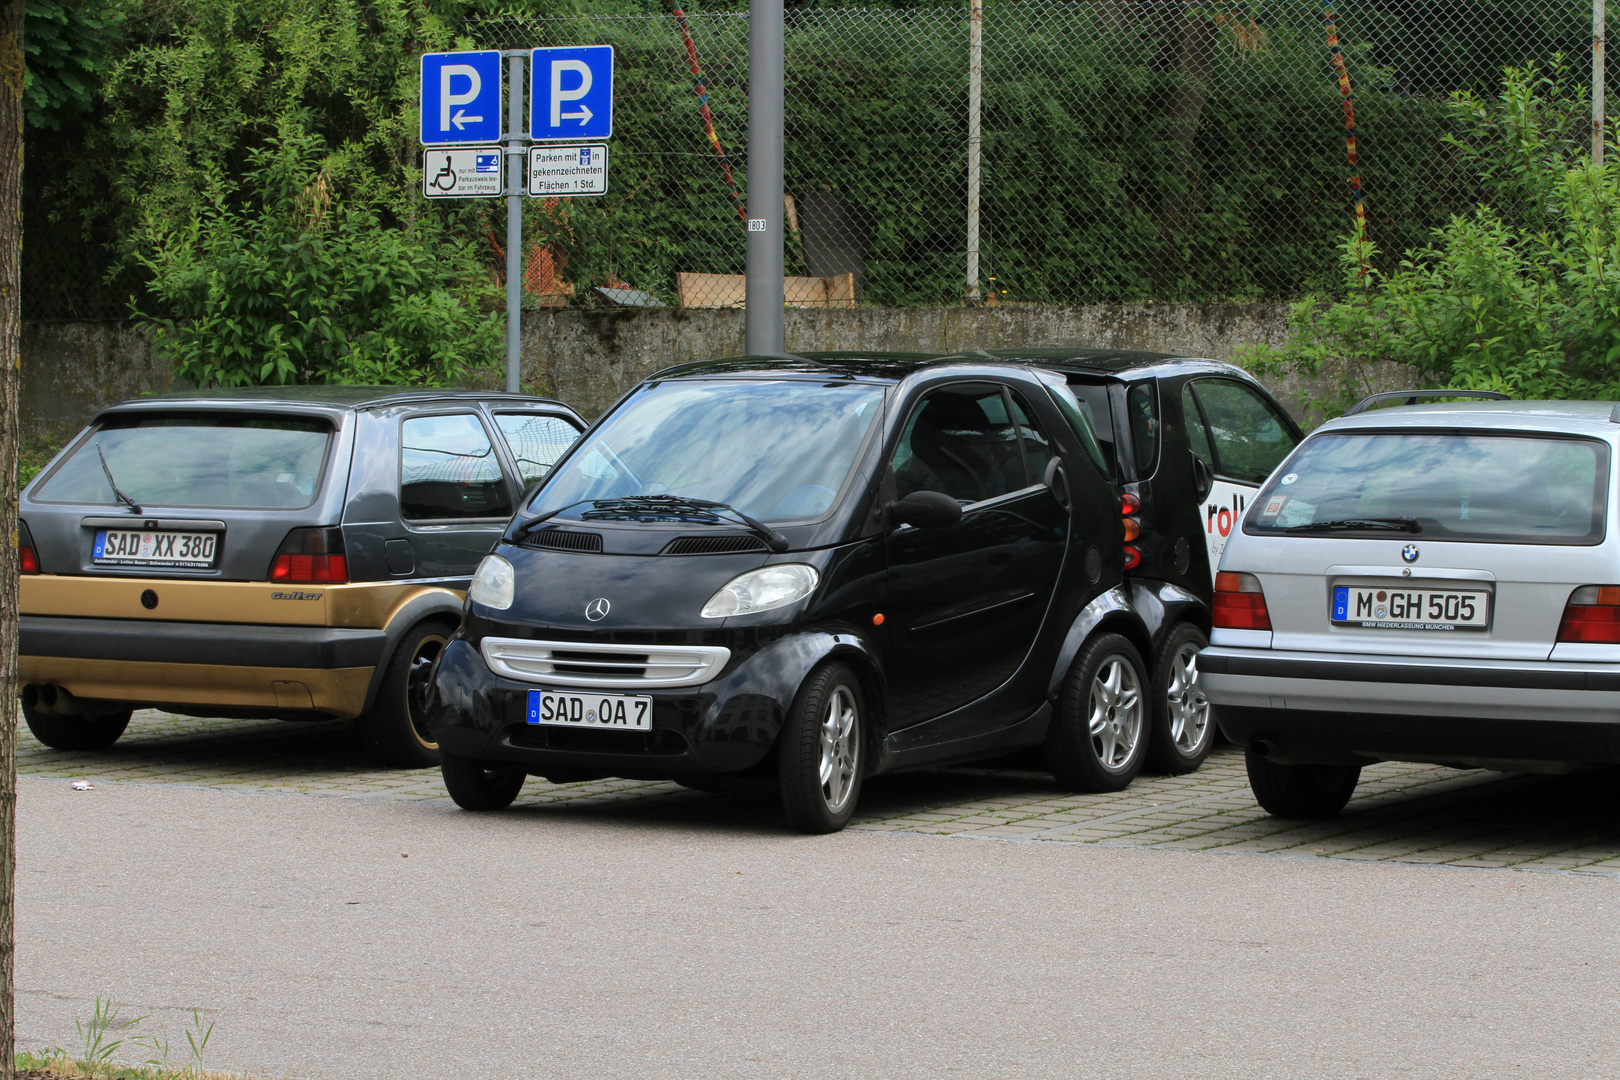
{"x": 763, "y": 284}
{"x": 514, "y": 220}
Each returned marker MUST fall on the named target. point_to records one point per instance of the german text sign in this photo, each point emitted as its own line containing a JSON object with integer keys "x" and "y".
{"x": 568, "y": 170}
{"x": 471, "y": 173}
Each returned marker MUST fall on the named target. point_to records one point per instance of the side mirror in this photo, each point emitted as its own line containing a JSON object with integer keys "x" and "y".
{"x": 1203, "y": 478}
{"x": 1057, "y": 481}
{"x": 925, "y": 510}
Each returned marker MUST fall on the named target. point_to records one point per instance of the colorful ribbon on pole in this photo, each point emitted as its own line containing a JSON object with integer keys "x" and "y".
{"x": 1349, "y": 132}
{"x": 703, "y": 110}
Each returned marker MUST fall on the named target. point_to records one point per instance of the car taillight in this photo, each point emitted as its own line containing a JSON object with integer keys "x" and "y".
{"x": 1128, "y": 505}
{"x": 1592, "y": 616}
{"x": 1239, "y": 603}
{"x": 27, "y": 557}
{"x": 311, "y": 556}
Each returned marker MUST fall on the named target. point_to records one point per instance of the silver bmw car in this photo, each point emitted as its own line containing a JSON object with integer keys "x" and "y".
{"x": 1434, "y": 583}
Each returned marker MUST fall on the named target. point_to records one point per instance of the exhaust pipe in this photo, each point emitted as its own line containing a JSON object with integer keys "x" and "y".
{"x": 53, "y": 700}
{"x": 1261, "y": 747}
{"x": 47, "y": 697}
{"x": 30, "y": 696}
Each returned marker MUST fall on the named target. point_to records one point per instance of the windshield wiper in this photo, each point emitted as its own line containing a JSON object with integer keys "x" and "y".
{"x": 639, "y": 506}
{"x": 134, "y": 507}
{"x": 699, "y": 510}
{"x": 1389, "y": 524}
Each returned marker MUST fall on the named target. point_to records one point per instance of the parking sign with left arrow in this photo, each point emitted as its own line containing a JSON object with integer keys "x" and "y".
{"x": 461, "y": 97}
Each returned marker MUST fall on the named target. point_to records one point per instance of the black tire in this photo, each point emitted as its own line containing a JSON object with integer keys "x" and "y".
{"x": 481, "y": 785}
{"x": 75, "y": 732}
{"x": 831, "y": 704}
{"x": 1098, "y": 739}
{"x": 1182, "y": 728}
{"x": 1300, "y": 791}
{"x": 393, "y": 731}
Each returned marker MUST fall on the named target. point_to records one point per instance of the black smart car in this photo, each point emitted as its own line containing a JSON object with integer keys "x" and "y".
{"x": 1189, "y": 441}
{"x": 806, "y": 570}
{"x": 291, "y": 552}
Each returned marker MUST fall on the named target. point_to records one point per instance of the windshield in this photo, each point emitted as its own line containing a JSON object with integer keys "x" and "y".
{"x": 1452, "y": 486}
{"x": 227, "y": 461}
{"x": 778, "y": 451}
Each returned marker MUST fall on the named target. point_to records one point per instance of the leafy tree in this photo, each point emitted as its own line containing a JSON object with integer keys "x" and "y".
{"x": 68, "y": 48}
{"x": 1520, "y": 295}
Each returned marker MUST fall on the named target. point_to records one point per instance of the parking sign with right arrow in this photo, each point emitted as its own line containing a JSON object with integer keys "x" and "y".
{"x": 571, "y": 97}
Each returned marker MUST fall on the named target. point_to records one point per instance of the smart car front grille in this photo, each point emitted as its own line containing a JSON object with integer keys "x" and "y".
{"x": 564, "y": 540}
{"x": 713, "y": 545}
{"x": 603, "y": 667}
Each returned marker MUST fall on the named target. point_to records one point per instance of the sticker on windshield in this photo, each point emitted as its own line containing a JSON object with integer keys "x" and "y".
{"x": 1296, "y": 513}
{"x": 1290, "y": 478}
{"x": 1274, "y": 506}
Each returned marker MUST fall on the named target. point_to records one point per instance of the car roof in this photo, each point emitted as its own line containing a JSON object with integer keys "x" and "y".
{"x": 329, "y": 397}
{"x": 894, "y": 366}
{"x": 1584, "y": 417}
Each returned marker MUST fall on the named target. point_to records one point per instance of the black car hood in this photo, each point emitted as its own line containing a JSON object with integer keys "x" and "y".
{"x": 658, "y": 592}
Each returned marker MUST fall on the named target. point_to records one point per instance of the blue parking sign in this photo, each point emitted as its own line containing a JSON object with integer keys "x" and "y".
{"x": 461, "y": 97}
{"x": 572, "y": 93}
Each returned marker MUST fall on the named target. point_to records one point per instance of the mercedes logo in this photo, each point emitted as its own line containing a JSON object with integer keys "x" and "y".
{"x": 597, "y": 609}
{"x": 1409, "y": 553}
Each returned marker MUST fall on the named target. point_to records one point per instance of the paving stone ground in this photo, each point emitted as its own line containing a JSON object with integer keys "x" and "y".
{"x": 1401, "y": 813}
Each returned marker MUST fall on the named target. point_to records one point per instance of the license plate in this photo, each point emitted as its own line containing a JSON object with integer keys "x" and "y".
{"x": 130, "y": 547}
{"x": 613, "y": 711}
{"x": 1383, "y": 608}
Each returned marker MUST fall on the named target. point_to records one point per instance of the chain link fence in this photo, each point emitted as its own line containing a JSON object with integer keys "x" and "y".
{"x": 1128, "y": 151}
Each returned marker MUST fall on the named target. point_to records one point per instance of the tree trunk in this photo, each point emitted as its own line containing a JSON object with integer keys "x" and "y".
{"x": 11, "y": 158}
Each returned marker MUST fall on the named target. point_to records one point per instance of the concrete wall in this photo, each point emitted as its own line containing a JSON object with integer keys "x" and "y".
{"x": 589, "y": 358}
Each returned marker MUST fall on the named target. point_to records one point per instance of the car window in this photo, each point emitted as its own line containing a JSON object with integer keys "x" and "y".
{"x": 1078, "y": 415}
{"x": 226, "y": 460}
{"x": 1142, "y": 406}
{"x": 1092, "y": 400}
{"x": 1197, "y": 434}
{"x": 449, "y": 470}
{"x": 959, "y": 440}
{"x": 536, "y": 441}
{"x": 1250, "y": 437}
{"x": 1037, "y": 447}
{"x": 1489, "y": 486}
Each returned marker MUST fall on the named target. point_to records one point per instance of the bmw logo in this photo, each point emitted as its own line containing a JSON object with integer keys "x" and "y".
{"x": 597, "y": 609}
{"x": 1409, "y": 553}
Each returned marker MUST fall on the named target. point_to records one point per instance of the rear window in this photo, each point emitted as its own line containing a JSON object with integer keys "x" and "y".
{"x": 225, "y": 461}
{"x": 1492, "y": 487}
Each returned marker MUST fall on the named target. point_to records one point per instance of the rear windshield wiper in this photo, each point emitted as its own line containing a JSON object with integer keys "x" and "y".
{"x": 663, "y": 505}
{"x": 681, "y": 506}
{"x": 134, "y": 507}
{"x": 1389, "y": 524}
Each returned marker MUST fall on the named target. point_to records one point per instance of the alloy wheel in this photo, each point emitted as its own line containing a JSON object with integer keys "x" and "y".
{"x": 840, "y": 748}
{"x": 1116, "y": 713}
{"x": 1184, "y": 697}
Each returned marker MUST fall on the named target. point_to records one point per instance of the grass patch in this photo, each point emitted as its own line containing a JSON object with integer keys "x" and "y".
{"x": 108, "y": 1038}
{"x": 49, "y": 1065}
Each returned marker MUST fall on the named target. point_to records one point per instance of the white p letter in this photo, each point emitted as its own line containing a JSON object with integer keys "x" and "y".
{"x": 447, "y": 100}
{"x": 559, "y": 95}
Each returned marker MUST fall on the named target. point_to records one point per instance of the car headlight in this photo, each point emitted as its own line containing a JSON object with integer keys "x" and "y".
{"x": 761, "y": 590}
{"x": 493, "y": 584}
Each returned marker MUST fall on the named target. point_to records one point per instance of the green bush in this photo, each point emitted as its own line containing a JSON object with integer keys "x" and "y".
{"x": 1520, "y": 295}
{"x": 293, "y": 283}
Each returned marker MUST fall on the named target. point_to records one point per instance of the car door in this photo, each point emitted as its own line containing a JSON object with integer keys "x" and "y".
{"x": 454, "y": 498}
{"x": 963, "y": 603}
{"x": 1241, "y": 435}
{"x": 535, "y": 439}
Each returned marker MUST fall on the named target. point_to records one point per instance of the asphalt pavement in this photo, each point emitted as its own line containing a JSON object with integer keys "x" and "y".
{"x": 369, "y": 938}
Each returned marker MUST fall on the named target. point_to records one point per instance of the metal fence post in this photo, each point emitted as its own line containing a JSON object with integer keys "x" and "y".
{"x": 514, "y": 221}
{"x": 975, "y": 81}
{"x": 763, "y": 285}
{"x": 1598, "y": 80}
